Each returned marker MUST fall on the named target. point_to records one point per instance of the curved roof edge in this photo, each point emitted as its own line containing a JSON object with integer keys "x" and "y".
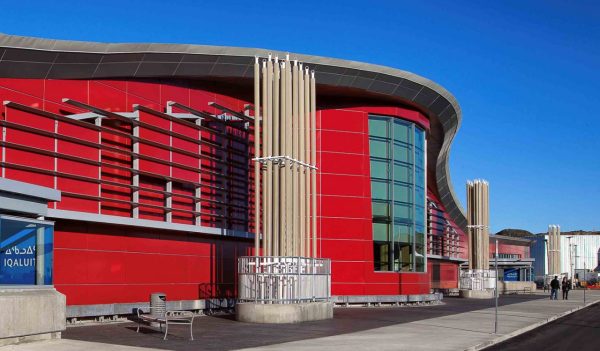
{"x": 27, "y": 57}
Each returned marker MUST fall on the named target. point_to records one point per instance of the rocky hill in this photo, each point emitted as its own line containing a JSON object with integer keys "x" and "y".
{"x": 516, "y": 233}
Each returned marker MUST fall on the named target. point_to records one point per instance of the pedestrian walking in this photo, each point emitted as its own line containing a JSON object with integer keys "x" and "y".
{"x": 554, "y": 286}
{"x": 566, "y": 286}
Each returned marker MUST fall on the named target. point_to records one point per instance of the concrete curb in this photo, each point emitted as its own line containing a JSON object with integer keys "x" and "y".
{"x": 517, "y": 332}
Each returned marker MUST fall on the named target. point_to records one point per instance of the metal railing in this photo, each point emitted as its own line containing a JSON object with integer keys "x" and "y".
{"x": 277, "y": 279}
{"x": 477, "y": 279}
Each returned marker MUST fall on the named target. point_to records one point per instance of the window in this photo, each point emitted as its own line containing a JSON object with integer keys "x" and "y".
{"x": 26, "y": 251}
{"x": 398, "y": 193}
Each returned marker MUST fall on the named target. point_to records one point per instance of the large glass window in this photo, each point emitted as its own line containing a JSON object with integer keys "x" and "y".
{"x": 397, "y": 150}
{"x": 26, "y": 251}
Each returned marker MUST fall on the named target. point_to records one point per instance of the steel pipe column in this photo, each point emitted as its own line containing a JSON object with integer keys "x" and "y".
{"x": 478, "y": 217}
{"x": 554, "y": 264}
{"x": 288, "y": 155}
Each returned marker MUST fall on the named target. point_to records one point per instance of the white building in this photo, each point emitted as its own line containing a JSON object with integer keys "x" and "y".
{"x": 576, "y": 250}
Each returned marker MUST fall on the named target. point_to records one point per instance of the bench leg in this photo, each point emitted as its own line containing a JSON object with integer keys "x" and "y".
{"x": 191, "y": 332}
{"x": 166, "y": 330}
{"x": 138, "y": 327}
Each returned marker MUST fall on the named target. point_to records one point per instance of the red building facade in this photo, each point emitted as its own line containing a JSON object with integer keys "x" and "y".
{"x": 152, "y": 199}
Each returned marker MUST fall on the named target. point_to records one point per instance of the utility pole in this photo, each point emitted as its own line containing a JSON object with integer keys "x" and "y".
{"x": 570, "y": 258}
{"x": 496, "y": 297}
{"x": 575, "y": 257}
{"x": 584, "y": 277}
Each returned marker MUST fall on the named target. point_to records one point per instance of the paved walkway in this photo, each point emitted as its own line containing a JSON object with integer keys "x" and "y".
{"x": 458, "y": 324}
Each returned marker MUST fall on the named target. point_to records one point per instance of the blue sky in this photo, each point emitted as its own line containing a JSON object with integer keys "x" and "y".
{"x": 526, "y": 74}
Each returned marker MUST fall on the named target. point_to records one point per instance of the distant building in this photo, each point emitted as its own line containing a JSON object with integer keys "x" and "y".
{"x": 578, "y": 248}
{"x": 514, "y": 257}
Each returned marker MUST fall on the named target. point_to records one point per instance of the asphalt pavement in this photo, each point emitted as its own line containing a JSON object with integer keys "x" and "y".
{"x": 578, "y": 331}
{"x": 458, "y": 324}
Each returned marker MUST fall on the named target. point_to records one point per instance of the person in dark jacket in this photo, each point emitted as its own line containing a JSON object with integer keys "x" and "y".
{"x": 554, "y": 286}
{"x": 566, "y": 286}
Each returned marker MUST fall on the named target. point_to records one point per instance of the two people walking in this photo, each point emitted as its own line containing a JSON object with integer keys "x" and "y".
{"x": 555, "y": 285}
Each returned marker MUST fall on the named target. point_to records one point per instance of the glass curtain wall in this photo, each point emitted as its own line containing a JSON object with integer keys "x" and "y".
{"x": 397, "y": 150}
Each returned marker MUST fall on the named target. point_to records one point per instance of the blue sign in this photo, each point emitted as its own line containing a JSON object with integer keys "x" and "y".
{"x": 511, "y": 275}
{"x": 18, "y": 251}
{"x": 17, "y": 255}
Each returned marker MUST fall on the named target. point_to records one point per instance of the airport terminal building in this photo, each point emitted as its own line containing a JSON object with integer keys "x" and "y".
{"x": 127, "y": 169}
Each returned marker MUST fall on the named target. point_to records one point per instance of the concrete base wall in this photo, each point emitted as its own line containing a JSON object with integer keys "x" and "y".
{"x": 31, "y": 314}
{"x": 516, "y": 287}
{"x": 386, "y": 299}
{"x": 111, "y": 309}
{"x": 477, "y": 294}
{"x": 283, "y": 313}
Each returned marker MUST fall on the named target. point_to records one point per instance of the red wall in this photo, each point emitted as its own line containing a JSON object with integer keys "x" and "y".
{"x": 442, "y": 274}
{"x": 345, "y": 204}
{"x": 507, "y": 247}
{"x": 97, "y": 264}
{"x": 104, "y": 264}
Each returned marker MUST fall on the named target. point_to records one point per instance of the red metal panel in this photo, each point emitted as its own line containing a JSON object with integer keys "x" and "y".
{"x": 345, "y": 185}
{"x": 79, "y": 150}
{"x": 199, "y": 99}
{"x": 155, "y": 167}
{"x": 187, "y": 145}
{"x": 342, "y": 163}
{"x": 176, "y": 93}
{"x": 30, "y": 177}
{"x": 344, "y": 289}
{"x": 185, "y": 129}
{"x": 56, "y": 90}
{"x": 77, "y": 186}
{"x": 147, "y": 91}
{"x": 8, "y": 94}
{"x": 346, "y": 228}
{"x": 29, "y": 119}
{"x": 32, "y": 87}
{"x": 346, "y": 250}
{"x": 352, "y": 207}
{"x": 342, "y": 142}
{"x": 344, "y": 120}
{"x": 106, "y": 97}
{"x": 29, "y": 158}
{"x": 347, "y": 272}
{"x": 155, "y": 152}
{"x": 184, "y": 174}
{"x": 77, "y": 168}
{"x": 30, "y": 139}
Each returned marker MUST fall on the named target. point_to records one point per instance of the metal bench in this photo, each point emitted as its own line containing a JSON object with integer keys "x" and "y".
{"x": 160, "y": 316}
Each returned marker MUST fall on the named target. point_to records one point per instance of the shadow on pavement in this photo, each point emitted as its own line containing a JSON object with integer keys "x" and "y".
{"x": 224, "y": 333}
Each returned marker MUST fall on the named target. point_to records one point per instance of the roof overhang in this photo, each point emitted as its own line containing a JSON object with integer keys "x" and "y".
{"x": 26, "y": 57}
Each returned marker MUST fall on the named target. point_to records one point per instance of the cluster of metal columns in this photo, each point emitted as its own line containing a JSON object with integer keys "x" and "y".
{"x": 554, "y": 249}
{"x": 478, "y": 219}
{"x": 285, "y": 105}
